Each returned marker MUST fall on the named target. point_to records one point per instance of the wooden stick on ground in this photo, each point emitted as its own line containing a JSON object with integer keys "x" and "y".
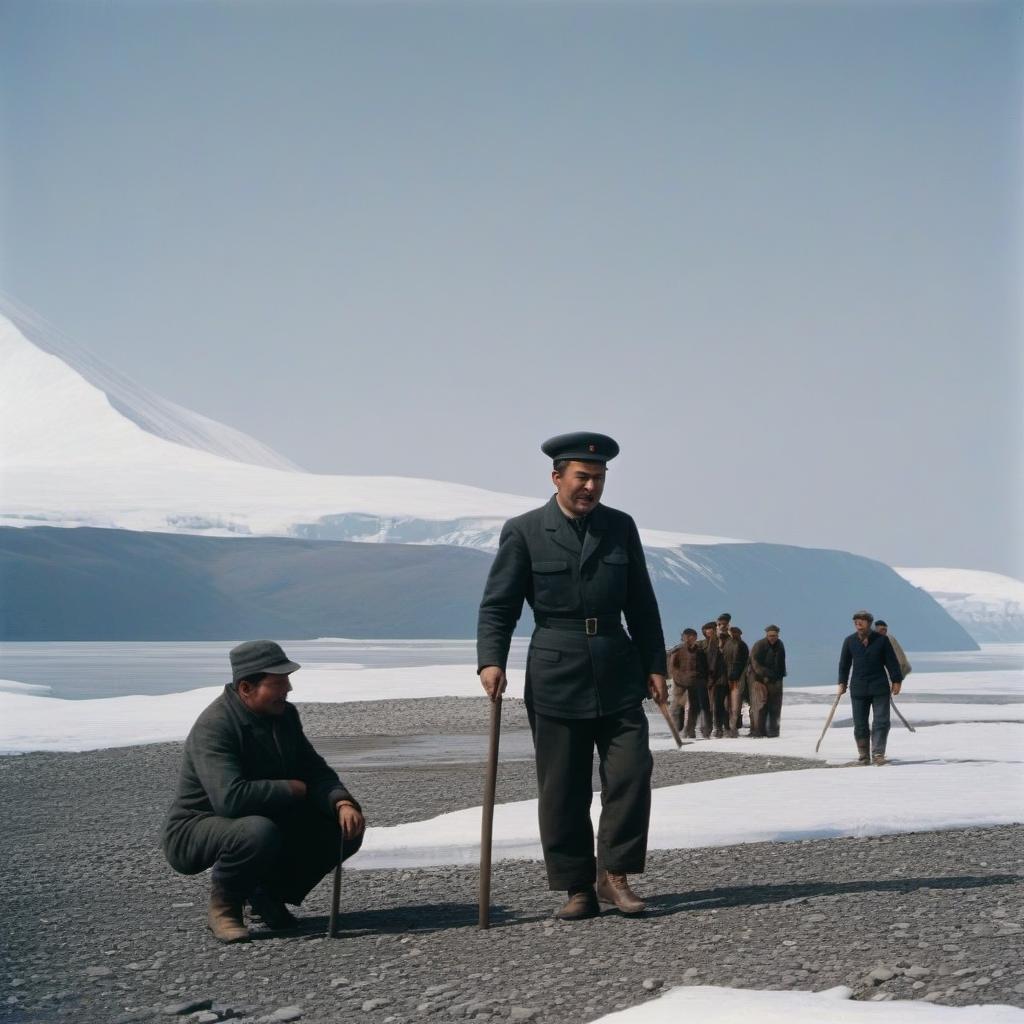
{"x": 672, "y": 725}
{"x": 828, "y": 721}
{"x": 487, "y": 823}
{"x": 332, "y": 921}
{"x": 902, "y": 719}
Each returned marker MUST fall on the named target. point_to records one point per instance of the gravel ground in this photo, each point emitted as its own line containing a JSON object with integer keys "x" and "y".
{"x": 95, "y": 927}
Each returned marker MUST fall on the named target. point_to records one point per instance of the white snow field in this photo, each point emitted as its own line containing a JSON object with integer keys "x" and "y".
{"x": 816, "y": 803}
{"x": 71, "y": 459}
{"x": 709, "y": 1004}
{"x": 989, "y": 605}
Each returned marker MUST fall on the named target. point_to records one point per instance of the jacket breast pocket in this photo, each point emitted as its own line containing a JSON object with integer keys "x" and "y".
{"x": 553, "y": 587}
{"x": 611, "y": 579}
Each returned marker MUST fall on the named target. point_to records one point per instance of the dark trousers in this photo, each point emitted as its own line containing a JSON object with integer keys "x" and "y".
{"x": 718, "y": 698}
{"x": 877, "y": 707}
{"x": 690, "y": 706}
{"x": 286, "y": 855}
{"x": 765, "y": 708}
{"x": 565, "y": 764}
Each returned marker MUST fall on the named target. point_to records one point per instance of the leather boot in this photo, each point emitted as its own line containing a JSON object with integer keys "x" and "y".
{"x": 863, "y": 752}
{"x": 224, "y": 917}
{"x": 879, "y": 759}
{"x": 614, "y": 889}
{"x": 272, "y": 911}
{"x": 581, "y": 904}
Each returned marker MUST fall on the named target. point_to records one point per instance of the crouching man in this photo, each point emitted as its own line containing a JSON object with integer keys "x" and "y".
{"x": 256, "y": 802}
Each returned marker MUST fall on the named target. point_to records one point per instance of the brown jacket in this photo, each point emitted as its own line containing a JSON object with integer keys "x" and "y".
{"x": 716, "y": 661}
{"x": 688, "y": 668}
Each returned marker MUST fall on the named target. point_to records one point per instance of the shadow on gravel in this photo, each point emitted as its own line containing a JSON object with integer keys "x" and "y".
{"x": 742, "y": 896}
{"x": 431, "y": 917}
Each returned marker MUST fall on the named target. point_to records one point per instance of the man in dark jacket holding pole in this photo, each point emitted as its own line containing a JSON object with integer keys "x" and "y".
{"x": 255, "y": 801}
{"x": 865, "y": 659}
{"x": 581, "y": 568}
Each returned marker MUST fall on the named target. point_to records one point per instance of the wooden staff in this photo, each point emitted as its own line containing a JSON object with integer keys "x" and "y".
{"x": 828, "y": 721}
{"x": 672, "y": 725}
{"x": 902, "y": 719}
{"x": 487, "y": 824}
{"x": 332, "y": 921}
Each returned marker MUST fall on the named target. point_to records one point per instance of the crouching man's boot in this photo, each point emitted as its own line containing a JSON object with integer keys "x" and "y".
{"x": 224, "y": 917}
{"x": 272, "y": 911}
{"x": 863, "y": 752}
{"x": 581, "y": 904}
{"x": 614, "y": 889}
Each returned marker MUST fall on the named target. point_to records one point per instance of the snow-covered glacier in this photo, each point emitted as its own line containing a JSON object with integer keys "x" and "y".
{"x": 989, "y": 605}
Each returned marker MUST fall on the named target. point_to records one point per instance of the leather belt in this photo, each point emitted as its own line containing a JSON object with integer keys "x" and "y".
{"x": 591, "y": 627}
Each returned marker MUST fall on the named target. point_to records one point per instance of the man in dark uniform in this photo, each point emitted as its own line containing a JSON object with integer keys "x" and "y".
{"x": 580, "y": 567}
{"x": 863, "y": 662}
{"x": 688, "y": 667}
{"x": 718, "y": 679}
{"x": 256, "y": 801}
{"x": 768, "y": 669}
{"x": 737, "y": 653}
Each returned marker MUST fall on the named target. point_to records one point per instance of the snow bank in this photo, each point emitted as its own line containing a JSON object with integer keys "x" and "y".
{"x": 818, "y": 803}
{"x": 711, "y": 1005}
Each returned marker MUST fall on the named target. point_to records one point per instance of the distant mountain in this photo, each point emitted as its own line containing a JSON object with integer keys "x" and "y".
{"x": 89, "y": 584}
{"x": 988, "y": 605}
{"x": 71, "y": 458}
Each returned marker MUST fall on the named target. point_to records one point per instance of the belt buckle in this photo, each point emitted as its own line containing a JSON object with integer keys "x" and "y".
{"x": 590, "y": 626}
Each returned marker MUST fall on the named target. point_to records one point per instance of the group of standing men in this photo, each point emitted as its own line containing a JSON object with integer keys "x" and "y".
{"x": 714, "y": 676}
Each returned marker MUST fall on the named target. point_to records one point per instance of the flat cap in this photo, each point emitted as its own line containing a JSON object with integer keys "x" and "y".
{"x": 725, "y": 617}
{"x": 256, "y": 656}
{"x": 583, "y": 445}
{"x": 881, "y": 622}
{"x": 772, "y": 629}
{"x": 864, "y": 615}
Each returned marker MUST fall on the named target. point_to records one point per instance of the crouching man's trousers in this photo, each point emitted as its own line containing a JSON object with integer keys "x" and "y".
{"x": 286, "y": 855}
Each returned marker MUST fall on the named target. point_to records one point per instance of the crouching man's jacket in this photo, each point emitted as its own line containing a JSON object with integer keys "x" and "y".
{"x": 237, "y": 763}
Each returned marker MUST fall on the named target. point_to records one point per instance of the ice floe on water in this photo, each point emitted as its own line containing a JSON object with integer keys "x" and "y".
{"x": 710, "y": 1004}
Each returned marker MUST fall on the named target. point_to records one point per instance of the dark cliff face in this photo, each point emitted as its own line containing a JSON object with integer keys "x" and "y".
{"x": 92, "y": 584}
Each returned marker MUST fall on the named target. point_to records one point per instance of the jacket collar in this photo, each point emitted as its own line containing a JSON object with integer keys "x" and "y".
{"x": 558, "y": 528}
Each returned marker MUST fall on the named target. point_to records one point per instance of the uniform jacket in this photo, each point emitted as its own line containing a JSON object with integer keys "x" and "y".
{"x": 901, "y": 656}
{"x": 237, "y": 763}
{"x": 768, "y": 662}
{"x": 688, "y": 668}
{"x": 715, "y": 656}
{"x": 865, "y": 666}
{"x": 737, "y": 653}
{"x": 541, "y": 560}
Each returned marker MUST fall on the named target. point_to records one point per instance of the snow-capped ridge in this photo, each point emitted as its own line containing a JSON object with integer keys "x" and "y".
{"x": 155, "y": 415}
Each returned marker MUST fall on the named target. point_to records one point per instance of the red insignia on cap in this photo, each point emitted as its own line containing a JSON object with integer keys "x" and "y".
{"x": 592, "y": 447}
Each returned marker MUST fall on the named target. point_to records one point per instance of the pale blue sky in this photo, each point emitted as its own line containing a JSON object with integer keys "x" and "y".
{"x": 773, "y": 248}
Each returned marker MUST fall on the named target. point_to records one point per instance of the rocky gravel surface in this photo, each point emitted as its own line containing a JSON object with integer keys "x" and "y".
{"x": 95, "y": 927}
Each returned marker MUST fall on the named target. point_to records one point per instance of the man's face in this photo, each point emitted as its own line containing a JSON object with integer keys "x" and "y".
{"x": 723, "y": 626}
{"x": 709, "y": 633}
{"x": 773, "y": 637}
{"x": 579, "y": 486}
{"x": 268, "y": 697}
{"x": 862, "y": 626}
{"x": 691, "y": 641}
{"x": 884, "y": 630}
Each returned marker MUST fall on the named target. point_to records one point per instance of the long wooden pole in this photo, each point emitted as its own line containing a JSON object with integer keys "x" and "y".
{"x": 487, "y": 823}
{"x": 672, "y": 725}
{"x": 902, "y": 719}
{"x": 828, "y": 721}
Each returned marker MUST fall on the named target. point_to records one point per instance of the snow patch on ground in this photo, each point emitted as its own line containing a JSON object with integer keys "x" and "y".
{"x": 713, "y": 1005}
